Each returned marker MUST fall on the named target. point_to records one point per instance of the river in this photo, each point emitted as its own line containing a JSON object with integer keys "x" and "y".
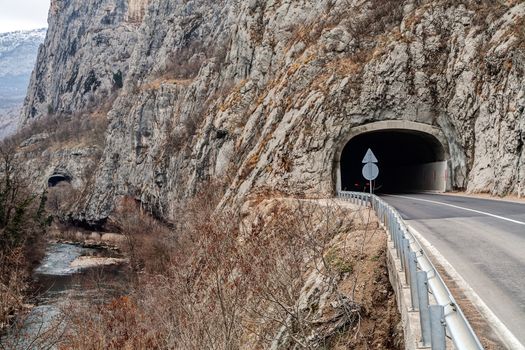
{"x": 68, "y": 272}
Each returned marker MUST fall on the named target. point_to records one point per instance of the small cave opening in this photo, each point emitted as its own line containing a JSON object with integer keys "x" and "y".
{"x": 56, "y": 179}
{"x": 408, "y": 161}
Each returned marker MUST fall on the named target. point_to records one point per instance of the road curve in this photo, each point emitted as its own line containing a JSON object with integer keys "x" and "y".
{"x": 483, "y": 239}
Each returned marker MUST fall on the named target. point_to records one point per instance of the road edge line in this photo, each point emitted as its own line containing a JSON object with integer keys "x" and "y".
{"x": 462, "y": 208}
{"x": 491, "y": 198}
{"x": 503, "y": 333}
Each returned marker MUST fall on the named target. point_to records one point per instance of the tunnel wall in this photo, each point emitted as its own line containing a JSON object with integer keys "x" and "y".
{"x": 441, "y": 169}
{"x": 426, "y": 177}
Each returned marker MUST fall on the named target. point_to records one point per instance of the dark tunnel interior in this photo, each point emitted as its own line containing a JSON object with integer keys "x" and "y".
{"x": 406, "y": 160}
{"x": 55, "y": 179}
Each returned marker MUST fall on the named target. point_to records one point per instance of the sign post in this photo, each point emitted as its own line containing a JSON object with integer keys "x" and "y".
{"x": 370, "y": 169}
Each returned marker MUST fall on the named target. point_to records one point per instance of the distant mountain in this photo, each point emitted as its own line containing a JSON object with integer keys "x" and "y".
{"x": 18, "y": 52}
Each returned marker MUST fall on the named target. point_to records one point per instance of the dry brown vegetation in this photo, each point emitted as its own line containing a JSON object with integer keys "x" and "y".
{"x": 61, "y": 198}
{"x": 22, "y": 225}
{"x": 63, "y": 131}
{"x": 57, "y": 131}
{"x": 186, "y": 62}
{"x": 247, "y": 279}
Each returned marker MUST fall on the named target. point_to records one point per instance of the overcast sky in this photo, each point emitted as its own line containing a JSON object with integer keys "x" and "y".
{"x": 23, "y": 14}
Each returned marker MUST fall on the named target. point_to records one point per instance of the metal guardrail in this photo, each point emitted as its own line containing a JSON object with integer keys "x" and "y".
{"x": 437, "y": 321}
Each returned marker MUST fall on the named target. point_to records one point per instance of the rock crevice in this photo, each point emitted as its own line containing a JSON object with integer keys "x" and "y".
{"x": 284, "y": 82}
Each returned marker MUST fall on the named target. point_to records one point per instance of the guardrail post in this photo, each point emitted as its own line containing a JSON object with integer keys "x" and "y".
{"x": 404, "y": 251}
{"x": 394, "y": 233}
{"x": 412, "y": 270}
{"x": 438, "y": 338}
{"x": 396, "y": 236}
{"x": 391, "y": 228}
{"x": 424, "y": 313}
{"x": 397, "y": 229}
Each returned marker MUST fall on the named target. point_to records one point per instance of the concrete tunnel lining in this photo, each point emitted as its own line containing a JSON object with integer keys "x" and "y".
{"x": 429, "y": 170}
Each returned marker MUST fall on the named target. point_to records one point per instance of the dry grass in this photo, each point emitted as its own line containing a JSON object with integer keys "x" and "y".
{"x": 59, "y": 132}
{"x": 63, "y": 131}
{"x": 232, "y": 279}
{"x": 22, "y": 226}
{"x": 157, "y": 83}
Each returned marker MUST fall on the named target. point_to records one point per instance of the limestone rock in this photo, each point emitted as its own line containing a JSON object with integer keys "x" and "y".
{"x": 261, "y": 93}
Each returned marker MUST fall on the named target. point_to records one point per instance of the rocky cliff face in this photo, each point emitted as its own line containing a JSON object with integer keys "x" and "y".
{"x": 261, "y": 93}
{"x": 84, "y": 57}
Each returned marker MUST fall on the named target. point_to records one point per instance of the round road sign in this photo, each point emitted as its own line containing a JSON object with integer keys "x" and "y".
{"x": 370, "y": 171}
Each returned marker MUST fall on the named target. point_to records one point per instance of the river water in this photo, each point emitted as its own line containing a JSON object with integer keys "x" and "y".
{"x": 59, "y": 281}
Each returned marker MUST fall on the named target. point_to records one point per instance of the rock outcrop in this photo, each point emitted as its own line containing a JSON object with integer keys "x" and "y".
{"x": 84, "y": 58}
{"x": 260, "y": 93}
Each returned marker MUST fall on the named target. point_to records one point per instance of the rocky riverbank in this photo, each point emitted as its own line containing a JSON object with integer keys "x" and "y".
{"x": 68, "y": 272}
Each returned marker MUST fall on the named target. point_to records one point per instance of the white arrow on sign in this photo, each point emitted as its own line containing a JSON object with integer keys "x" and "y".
{"x": 370, "y": 170}
{"x": 370, "y": 157}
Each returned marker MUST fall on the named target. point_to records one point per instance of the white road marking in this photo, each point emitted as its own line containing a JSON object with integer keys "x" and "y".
{"x": 494, "y": 322}
{"x": 463, "y": 208}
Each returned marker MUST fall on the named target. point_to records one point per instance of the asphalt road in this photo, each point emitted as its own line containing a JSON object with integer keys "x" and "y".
{"x": 483, "y": 239}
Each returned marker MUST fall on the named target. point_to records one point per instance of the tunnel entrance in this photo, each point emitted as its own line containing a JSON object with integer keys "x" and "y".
{"x": 409, "y": 161}
{"x": 56, "y": 179}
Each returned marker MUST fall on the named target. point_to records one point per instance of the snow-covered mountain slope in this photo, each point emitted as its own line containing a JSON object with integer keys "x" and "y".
{"x": 18, "y": 52}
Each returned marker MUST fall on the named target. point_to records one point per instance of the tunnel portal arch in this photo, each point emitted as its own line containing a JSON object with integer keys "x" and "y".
{"x": 58, "y": 178}
{"x": 412, "y": 157}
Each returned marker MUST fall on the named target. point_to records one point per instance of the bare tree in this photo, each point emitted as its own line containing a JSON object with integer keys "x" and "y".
{"x": 22, "y": 224}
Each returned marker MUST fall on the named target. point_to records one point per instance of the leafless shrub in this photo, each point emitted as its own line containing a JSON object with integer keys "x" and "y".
{"x": 221, "y": 280}
{"x": 61, "y": 198}
{"x": 34, "y": 329}
{"x": 379, "y": 17}
{"x": 185, "y": 62}
{"x": 146, "y": 242}
{"x": 59, "y": 129}
{"x": 22, "y": 225}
